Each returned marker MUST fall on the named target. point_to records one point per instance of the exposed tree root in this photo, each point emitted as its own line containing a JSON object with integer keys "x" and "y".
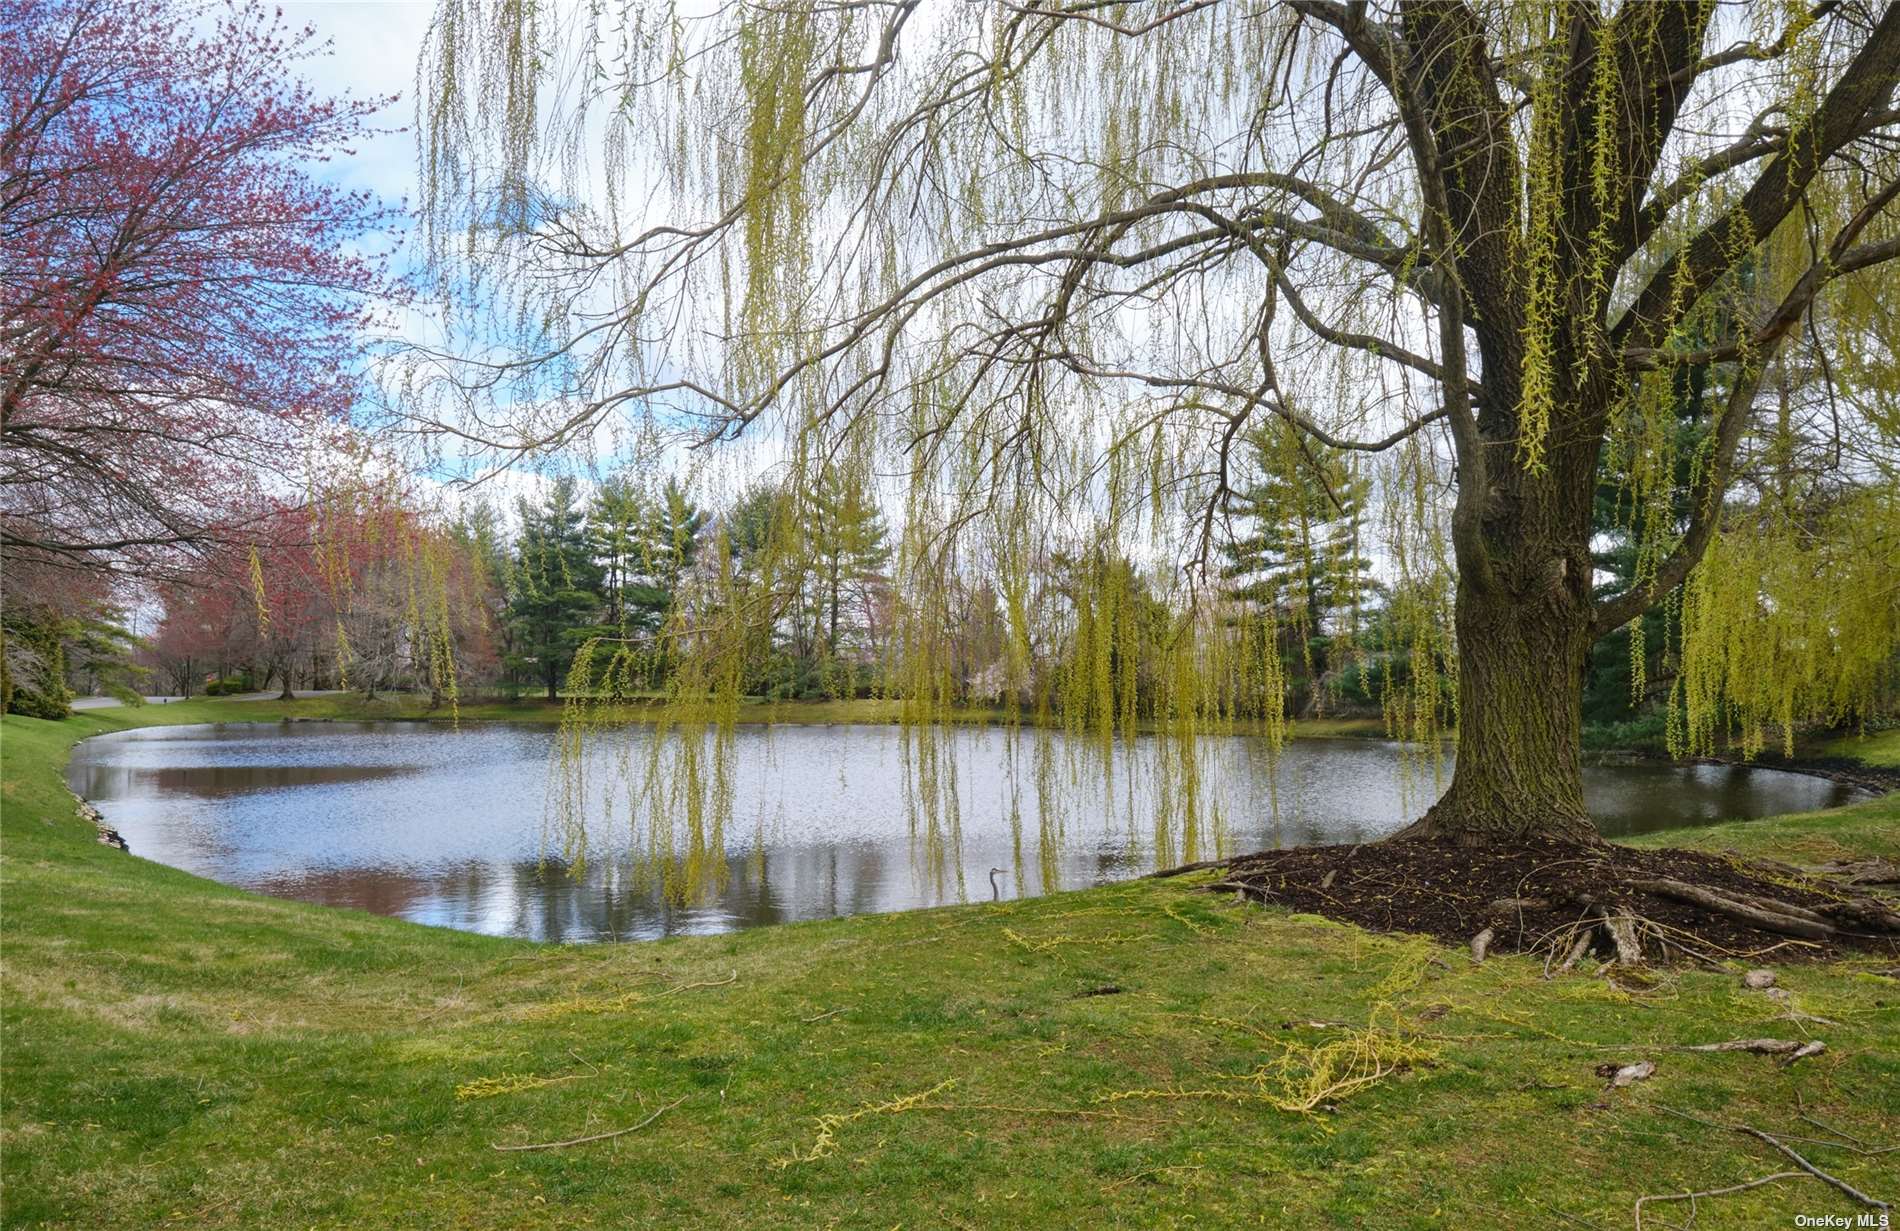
{"x": 1569, "y": 901}
{"x": 1580, "y": 947}
{"x": 1866, "y": 915}
{"x": 1862, "y": 872}
{"x": 1183, "y": 869}
{"x": 1621, "y": 926}
{"x": 1786, "y": 920}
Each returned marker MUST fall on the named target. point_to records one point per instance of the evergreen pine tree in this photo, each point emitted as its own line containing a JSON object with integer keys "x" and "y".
{"x": 848, "y": 548}
{"x": 1301, "y": 556}
{"x": 668, "y": 529}
{"x": 554, "y": 600}
{"x": 613, "y": 535}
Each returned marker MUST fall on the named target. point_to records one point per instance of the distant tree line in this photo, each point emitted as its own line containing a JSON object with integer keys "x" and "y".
{"x": 615, "y": 568}
{"x": 360, "y": 590}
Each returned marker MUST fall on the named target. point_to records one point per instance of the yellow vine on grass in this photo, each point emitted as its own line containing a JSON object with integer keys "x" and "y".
{"x": 506, "y": 1083}
{"x": 826, "y": 1142}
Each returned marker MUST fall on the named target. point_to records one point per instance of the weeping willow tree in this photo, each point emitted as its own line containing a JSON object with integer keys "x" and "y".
{"x": 1048, "y": 264}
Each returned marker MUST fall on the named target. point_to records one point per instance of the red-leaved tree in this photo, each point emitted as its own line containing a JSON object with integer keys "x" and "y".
{"x": 358, "y": 586}
{"x": 182, "y": 294}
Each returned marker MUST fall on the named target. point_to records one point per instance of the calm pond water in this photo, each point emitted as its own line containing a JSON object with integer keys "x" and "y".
{"x": 450, "y": 827}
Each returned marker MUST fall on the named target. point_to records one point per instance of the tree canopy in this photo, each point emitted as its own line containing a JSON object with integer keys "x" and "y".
{"x": 183, "y": 289}
{"x": 1052, "y": 263}
{"x": 183, "y": 293}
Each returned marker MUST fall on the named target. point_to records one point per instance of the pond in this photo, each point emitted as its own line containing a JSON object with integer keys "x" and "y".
{"x": 451, "y": 827}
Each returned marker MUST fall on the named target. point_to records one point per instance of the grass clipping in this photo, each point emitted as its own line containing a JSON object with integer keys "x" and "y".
{"x": 1301, "y": 1079}
{"x": 506, "y": 1083}
{"x": 1305, "y": 1078}
{"x": 826, "y": 1143}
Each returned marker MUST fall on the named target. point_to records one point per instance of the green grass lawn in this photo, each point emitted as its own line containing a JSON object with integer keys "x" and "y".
{"x": 1880, "y": 748}
{"x": 176, "y": 1053}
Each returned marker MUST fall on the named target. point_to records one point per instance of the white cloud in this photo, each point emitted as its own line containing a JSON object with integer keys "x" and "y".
{"x": 374, "y": 47}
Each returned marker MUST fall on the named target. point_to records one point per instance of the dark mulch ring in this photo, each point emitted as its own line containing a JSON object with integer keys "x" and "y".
{"x": 1572, "y": 902}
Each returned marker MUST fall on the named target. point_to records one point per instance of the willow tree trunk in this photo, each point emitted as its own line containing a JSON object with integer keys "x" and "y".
{"x": 1520, "y": 688}
{"x": 1524, "y": 624}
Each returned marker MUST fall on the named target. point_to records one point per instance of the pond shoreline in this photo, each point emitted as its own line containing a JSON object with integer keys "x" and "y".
{"x": 1876, "y": 780}
{"x": 871, "y": 712}
{"x": 446, "y": 833}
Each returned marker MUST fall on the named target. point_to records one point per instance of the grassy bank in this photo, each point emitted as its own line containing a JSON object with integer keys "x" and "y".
{"x": 179, "y": 1053}
{"x": 1881, "y": 748}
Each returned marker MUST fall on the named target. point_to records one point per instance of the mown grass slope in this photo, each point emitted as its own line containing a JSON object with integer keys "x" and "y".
{"x": 176, "y": 1053}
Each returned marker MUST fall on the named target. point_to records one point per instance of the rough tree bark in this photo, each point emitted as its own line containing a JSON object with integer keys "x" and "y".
{"x": 1520, "y": 688}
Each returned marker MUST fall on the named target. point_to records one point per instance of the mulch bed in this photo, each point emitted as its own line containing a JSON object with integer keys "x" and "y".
{"x": 1542, "y": 897}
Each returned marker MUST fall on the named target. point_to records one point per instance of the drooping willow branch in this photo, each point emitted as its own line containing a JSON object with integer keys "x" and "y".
{"x": 1032, "y": 259}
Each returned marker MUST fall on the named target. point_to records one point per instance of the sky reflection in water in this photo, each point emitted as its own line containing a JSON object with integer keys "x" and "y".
{"x": 446, "y": 827}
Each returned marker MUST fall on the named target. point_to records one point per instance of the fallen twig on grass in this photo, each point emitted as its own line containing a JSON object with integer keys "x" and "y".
{"x": 1691, "y": 1198}
{"x": 821, "y": 1016}
{"x": 1790, "y": 1048}
{"x": 1793, "y": 1155}
{"x": 580, "y": 1141}
{"x": 1811, "y": 1169}
{"x": 687, "y": 987}
{"x": 1858, "y": 1146}
{"x": 1864, "y": 1151}
{"x": 219, "y": 1204}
